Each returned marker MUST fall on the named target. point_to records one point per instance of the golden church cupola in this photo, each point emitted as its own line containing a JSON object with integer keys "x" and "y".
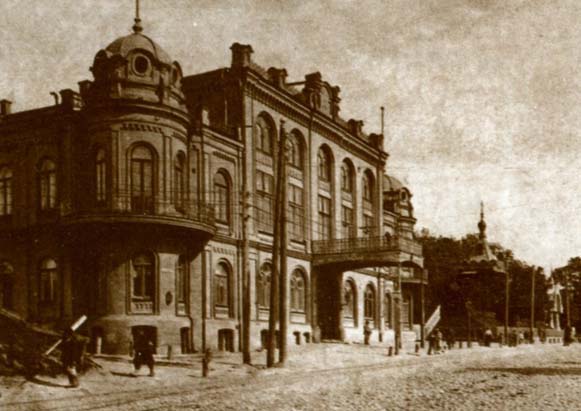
{"x": 134, "y": 68}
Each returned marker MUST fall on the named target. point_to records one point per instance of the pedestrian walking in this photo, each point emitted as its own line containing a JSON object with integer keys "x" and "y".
{"x": 72, "y": 350}
{"x": 144, "y": 350}
{"x": 487, "y": 337}
{"x": 567, "y": 335}
{"x": 450, "y": 338}
{"x": 438, "y": 340}
{"x": 367, "y": 332}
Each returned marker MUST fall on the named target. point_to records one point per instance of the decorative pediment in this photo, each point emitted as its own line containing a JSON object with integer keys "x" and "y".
{"x": 321, "y": 96}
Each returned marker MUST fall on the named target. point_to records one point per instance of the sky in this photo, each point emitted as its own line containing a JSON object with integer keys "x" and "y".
{"x": 482, "y": 97}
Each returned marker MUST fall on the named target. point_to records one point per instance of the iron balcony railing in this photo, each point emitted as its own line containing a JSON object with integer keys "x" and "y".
{"x": 367, "y": 245}
{"x": 125, "y": 204}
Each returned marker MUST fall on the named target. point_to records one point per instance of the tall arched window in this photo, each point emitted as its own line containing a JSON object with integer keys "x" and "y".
{"x": 5, "y": 190}
{"x": 222, "y": 196}
{"x": 179, "y": 181}
{"x": 47, "y": 184}
{"x": 387, "y": 309}
{"x": 324, "y": 165}
{"x": 181, "y": 280}
{"x": 6, "y": 285}
{"x": 350, "y": 300}
{"x": 264, "y": 135}
{"x": 100, "y": 176}
{"x": 48, "y": 281}
{"x": 369, "y": 304}
{"x": 142, "y": 178}
{"x": 347, "y": 188}
{"x": 143, "y": 281}
{"x": 367, "y": 187}
{"x": 368, "y": 196}
{"x": 222, "y": 287}
{"x": 298, "y": 291}
{"x": 263, "y": 285}
{"x": 295, "y": 150}
{"x": 346, "y": 177}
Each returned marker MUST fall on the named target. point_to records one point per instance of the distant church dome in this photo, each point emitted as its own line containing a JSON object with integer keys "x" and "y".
{"x": 125, "y": 45}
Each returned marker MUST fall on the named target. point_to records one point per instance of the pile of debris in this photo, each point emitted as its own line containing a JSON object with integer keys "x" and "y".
{"x": 22, "y": 347}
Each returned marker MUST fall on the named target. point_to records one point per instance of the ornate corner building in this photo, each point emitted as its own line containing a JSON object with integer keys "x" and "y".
{"x": 127, "y": 201}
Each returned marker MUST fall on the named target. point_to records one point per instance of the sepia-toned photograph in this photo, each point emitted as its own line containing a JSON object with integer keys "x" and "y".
{"x": 290, "y": 205}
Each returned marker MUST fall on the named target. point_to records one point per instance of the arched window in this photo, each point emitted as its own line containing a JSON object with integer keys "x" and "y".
{"x": 47, "y": 184}
{"x": 324, "y": 165}
{"x": 100, "y": 176}
{"x": 142, "y": 177}
{"x": 350, "y": 300}
{"x": 263, "y": 285}
{"x": 222, "y": 287}
{"x": 5, "y": 191}
{"x": 222, "y": 196}
{"x": 298, "y": 291}
{"x": 143, "y": 284}
{"x": 295, "y": 150}
{"x": 48, "y": 281}
{"x": 346, "y": 177}
{"x": 6, "y": 285}
{"x": 296, "y": 212}
{"x": 264, "y": 135}
{"x": 387, "y": 309}
{"x": 181, "y": 279}
{"x": 367, "y": 187}
{"x": 179, "y": 181}
{"x": 369, "y": 306}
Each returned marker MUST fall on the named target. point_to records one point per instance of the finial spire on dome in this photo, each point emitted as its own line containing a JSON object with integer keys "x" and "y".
{"x": 482, "y": 223}
{"x": 137, "y": 26}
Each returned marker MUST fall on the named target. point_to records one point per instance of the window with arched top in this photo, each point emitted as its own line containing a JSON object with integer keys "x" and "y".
{"x": 367, "y": 187}
{"x": 6, "y": 285}
{"x": 350, "y": 300}
{"x": 298, "y": 291}
{"x": 222, "y": 286}
{"x": 5, "y": 191}
{"x": 347, "y": 175}
{"x": 181, "y": 280}
{"x": 100, "y": 176}
{"x": 48, "y": 281}
{"x": 324, "y": 165}
{"x": 369, "y": 303}
{"x": 296, "y": 212}
{"x": 296, "y": 150}
{"x": 222, "y": 196}
{"x": 387, "y": 309}
{"x": 142, "y": 179}
{"x": 143, "y": 277}
{"x": 47, "y": 184}
{"x": 264, "y": 135}
{"x": 179, "y": 181}
{"x": 263, "y": 285}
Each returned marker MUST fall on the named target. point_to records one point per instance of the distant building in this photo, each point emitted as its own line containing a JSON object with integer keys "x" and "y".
{"x": 124, "y": 201}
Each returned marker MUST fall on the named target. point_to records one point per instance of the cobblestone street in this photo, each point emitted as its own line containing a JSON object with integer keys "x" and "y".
{"x": 327, "y": 376}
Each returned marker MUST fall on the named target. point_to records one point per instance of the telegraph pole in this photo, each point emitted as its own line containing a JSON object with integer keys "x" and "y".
{"x": 532, "y": 327}
{"x": 567, "y": 308}
{"x": 283, "y": 308}
{"x": 246, "y": 358}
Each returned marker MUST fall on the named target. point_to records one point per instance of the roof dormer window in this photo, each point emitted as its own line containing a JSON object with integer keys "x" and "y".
{"x": 141, "y": 65}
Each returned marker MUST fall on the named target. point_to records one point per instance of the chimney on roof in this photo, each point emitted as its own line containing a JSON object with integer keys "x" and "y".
{"x": 5, "y": 107}
{"x": 277, "y": 76}
{"x": 241, "y": 55}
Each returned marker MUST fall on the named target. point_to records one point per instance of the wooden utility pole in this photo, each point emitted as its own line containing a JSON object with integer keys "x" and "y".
{"x": 283, "y": 306}
{"x": 532, "y": 327}
{"x": 567, "y": 308}
{"x": 423, "y": 309}
{"x": 246, "y": 295}
{"x": 506, "y": 303}
{"x": 274, "y": 287}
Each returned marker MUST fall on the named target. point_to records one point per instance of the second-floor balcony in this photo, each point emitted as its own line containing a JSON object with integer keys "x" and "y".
{"x": 360, "y": 252}
{"x": 141, "y": 209}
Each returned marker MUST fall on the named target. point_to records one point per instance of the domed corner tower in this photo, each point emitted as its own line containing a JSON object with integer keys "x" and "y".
{"x": 139, "y": 219}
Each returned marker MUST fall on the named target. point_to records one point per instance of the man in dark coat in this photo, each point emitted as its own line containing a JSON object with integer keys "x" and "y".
{"x": 72, "y": 348}
{"x": 367, "y": 332}
{"x": 144, "y": 350}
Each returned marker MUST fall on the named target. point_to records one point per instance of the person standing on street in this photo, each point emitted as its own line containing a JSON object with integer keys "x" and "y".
{"x": 144, "y": 350}
{"x": 72, "y": 348}
{"x": 367, "y": 332}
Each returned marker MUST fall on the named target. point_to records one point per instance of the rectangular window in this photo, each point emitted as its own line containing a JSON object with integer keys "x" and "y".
{"x": 265, "y": 201}
{"x": 296, "y": 215}
{"x": 47, "y": 286}
{"x": 325, "y": 228}
{"x": 367, "y": 225}
{"x": 101, "y": 187}
{"x": 347, "y": 221}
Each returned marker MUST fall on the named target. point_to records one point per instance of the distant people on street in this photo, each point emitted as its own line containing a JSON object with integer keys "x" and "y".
{"x": 488, "y": 337}
{"x": 431, "y": 342}
{"x": 144, "y": 350}
{"x": 513, "y": 338}
{"x": 439, "y": 341}
{"x": 367, "y": 332}
{"x": 450, "y": 338}
{"x": 72, "y": 350}
{"x": 521, "y": 338}
{"x": 567, "y": 335}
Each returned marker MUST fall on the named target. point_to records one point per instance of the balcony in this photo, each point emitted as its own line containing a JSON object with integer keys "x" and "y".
{"x": 128, "y": 209}
{"x": 361, "y": 252}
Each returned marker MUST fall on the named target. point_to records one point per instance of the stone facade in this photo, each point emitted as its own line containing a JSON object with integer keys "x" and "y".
{"x": 127, "y": 201}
